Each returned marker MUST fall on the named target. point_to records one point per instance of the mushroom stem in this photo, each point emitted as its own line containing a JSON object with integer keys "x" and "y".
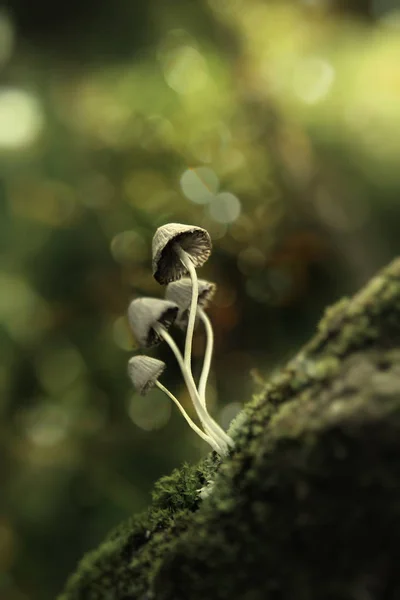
{"x": 193, "y": 425}
{"x": 187, "y": 262}
{"x": 207, "y": 356}
{"x": 210, "y": 426}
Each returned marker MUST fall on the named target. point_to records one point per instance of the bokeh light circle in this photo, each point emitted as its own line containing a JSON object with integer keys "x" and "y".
{"x": 21, "y": 118}
{"x": 149, "y": 412}
{"x": 225, "y": 208}
{"x": 199, "y": 185}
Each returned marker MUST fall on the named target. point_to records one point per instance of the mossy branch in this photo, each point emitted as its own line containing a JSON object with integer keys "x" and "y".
{"x": 307, "y": 506}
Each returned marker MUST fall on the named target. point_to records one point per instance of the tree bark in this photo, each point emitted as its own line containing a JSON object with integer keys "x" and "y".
{"x": 307, "y": 506}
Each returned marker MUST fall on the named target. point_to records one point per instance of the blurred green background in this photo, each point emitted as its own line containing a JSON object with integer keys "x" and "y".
{"x": 275, "y": 125}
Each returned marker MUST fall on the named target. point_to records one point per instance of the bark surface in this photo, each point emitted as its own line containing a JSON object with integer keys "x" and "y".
{"x": 307, "y": 506}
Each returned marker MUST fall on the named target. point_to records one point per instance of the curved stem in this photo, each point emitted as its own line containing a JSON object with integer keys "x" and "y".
{"x": 208, "y": 423}
{"x": 193, "y": 425}
{"x": 207, "y": 356}
{"x": 187, "y": 262}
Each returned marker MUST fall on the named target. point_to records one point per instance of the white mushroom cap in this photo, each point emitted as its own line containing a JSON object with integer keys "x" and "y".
{"x": 180, "y": 292}
{"x": 144, "y": 372}
{"x": 195, "y": 241}
{"x": 145, "y": 313}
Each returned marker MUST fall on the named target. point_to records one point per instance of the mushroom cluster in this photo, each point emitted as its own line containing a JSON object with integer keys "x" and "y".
{"x": 177, "y": 251}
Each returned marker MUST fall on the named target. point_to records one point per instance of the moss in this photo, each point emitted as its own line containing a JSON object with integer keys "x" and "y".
{"x": 306, "y": 506}
{"x": 122, "y": 567}
{"x": 314, "y": 513}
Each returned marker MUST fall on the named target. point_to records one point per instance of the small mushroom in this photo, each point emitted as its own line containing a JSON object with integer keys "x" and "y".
{"x": 168, "y": 240}
{"x": 144, "y": 314}
{"x": 144, "y": 372}
{"x": 180, "y": 292}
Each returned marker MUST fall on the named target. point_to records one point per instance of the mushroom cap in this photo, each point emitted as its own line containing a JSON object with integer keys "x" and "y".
{"x": 145, "y": 313}
{"x": 167, "y": 265}
{"x": 180, "y": 292}
{"x": 144, "y": 372}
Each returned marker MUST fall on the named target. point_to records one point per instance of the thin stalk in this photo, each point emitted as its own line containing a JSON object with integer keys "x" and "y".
{"x": 207, "y": 355}
{"x": 193, "y": 425}
{"x": 187, "y": 262}
{"x": 208, "y": 423}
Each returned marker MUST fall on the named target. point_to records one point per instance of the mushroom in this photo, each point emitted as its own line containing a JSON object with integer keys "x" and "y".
{"x": 172, "y": 244}
{"x": 145, "y": 313}
{"x": 144, "y": 372}
{"x": 150, "y": 319}
{"x": 180, "y": 292}
{"x": 177, "y": 250}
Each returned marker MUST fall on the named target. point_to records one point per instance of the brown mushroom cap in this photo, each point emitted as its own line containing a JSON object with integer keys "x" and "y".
{"x": 144, "y": 372}
{"x": 167, "y": 265}
{"x": 145, "y": 313}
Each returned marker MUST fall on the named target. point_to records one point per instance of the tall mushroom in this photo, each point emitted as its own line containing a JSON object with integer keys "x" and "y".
{"x": 177, "y": 250}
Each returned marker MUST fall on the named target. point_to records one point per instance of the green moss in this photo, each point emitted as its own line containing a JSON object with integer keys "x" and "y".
{"x": 307, "y": 506}
{"x": 299, "y": 515}
{"x": 123, "y": 565}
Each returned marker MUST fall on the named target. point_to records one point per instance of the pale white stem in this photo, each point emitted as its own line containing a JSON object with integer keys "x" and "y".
{"x": 210, "y": 426}
{"x": 193, "y": 425}
{"x": 207, "y": 364}
{"x": 187, "y": 262}
{"x": 207, "y": 356}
